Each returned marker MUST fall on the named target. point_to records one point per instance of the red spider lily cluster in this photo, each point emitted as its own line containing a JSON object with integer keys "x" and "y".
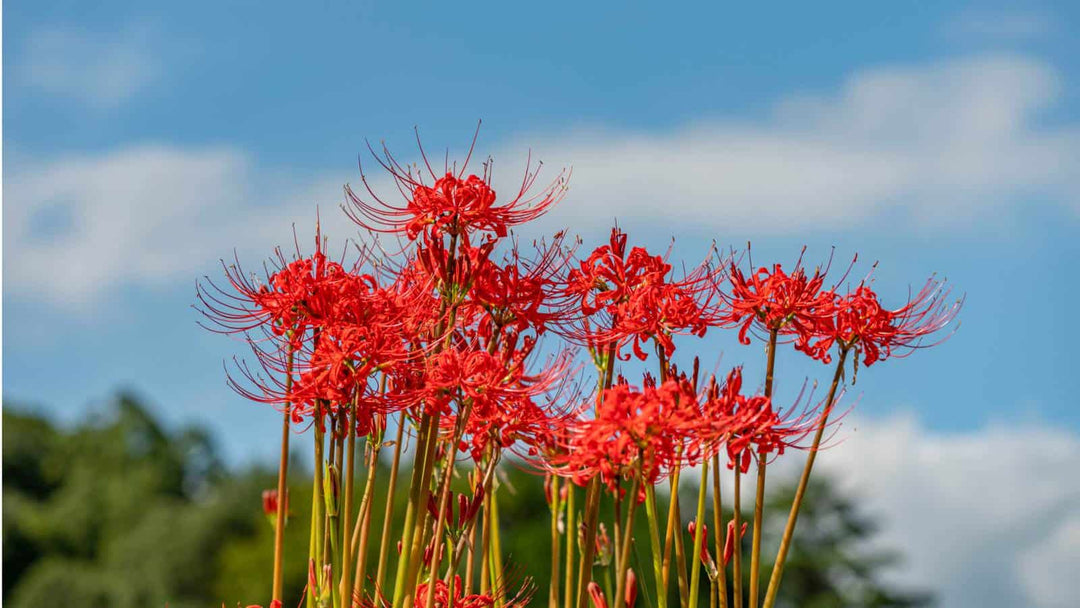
{"x": 469, "y": 344}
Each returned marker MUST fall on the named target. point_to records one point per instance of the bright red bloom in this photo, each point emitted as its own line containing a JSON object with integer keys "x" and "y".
{"x": 748, "y": 424}
{"x": 454, "y": 204}
{"x": 859, "y": 321}
{"x": 460, "y": 600}
{"x": 790, "y": 303}
{"x": 443, "y": 600}
{"x": 357, "y": 331}
{"x": 501, "y": 394}
{"x": 292, "y": 299}
{"x": 521, "y": 293}
{"x": 629, "y": 296}
{"x": 632, "y": 429}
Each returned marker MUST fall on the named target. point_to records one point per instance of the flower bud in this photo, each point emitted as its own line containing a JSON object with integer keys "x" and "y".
{"x": 270, "y": 506}
{"x": 603, "y": 547}
{"x": 631, "y": 588}
{"x": 729, "y": 542}
{"x": 597, "y": 596}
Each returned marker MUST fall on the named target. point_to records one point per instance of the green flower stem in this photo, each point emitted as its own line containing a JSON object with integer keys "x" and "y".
{"x": 384, "y": 545}
{"x": 282, "y": 488}
{"x": 718, "y": 535}
{"x": 759, "y": 499}
{"x": 800, "y": 492}
{"x": 699, "y": 534}
{"x": 654, "y": 543}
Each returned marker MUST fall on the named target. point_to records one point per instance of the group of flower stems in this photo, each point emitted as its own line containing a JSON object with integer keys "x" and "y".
{"x": 437, "y": 341}
{"x": 341, "y": 529}
{"x": 577, "y": 583}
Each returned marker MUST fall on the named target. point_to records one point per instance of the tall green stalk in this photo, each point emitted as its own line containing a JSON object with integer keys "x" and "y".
{"x": 623, "y": 558}
{"x": 347, "y": 503}
{"x": 444, "y": 499}
{"x": 804, "y": 480}
{"x": 411, "y": 512}
{"x": 571, "y": 542}
{"x": 315, "y": 550}
{"x": 364, "y": 522}
{"x": 759, "y": 499}
{"x": 497, "y": 572}
{"x": 699, "y": 534}
{"x": 384, "y": 544}
{"x": 654, "y": 544}
{"x": 419, "y": 541}
{"x": 736, "y": 558}
{"x": 282, "y": 488}
{"x": 553, "y": 584}
{"x": 718, "y": 534}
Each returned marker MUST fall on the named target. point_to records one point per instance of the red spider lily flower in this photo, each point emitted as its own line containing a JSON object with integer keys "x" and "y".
{"x": 502, "y": 397}
{"x": 293, "y": 297}
{"x": 454, "y": 204}
{"x": 522, "y": 293}
{"x": 520, "y": 425}
{"x": 858, "y": 321}
{"x": 729, "y": 540}
{"x": 273, "y": 604}
{"x": 453, "y": 268}
{"x": 360, "y": 330}
{"x": 790, "y": 303}
{"x": 749, "y": 424}
{"x": 485, "y": 379}
{"x": 460, "y": 600}
{"x": 629, "y": 296}
{"x": 414, "y": 295}
{"x": 633, "y": 429}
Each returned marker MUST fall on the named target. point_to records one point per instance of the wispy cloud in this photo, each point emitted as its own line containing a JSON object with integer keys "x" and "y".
{"x": 986, "y": 517}
{"x": 102, "y": 70}
{"x": 924, "y": 145}
{"x": 932, "y": 144}
{"x": 84, "y": 225}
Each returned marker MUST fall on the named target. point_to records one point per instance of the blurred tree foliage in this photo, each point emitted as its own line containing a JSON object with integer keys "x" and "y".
{"x": 119, "y": 512}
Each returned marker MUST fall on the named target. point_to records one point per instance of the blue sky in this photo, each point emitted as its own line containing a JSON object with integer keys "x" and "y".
{"x": 141, "y": 145}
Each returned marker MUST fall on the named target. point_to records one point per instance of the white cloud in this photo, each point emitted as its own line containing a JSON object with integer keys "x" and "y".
{"x": 100, "y": 70}
{"x": 936, "y": 143}
{"x": 1047, "y": 568}
{"x": 985, "y": 518}
{"x": 939, "y": 143}
{"x": 81, "y": 226}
